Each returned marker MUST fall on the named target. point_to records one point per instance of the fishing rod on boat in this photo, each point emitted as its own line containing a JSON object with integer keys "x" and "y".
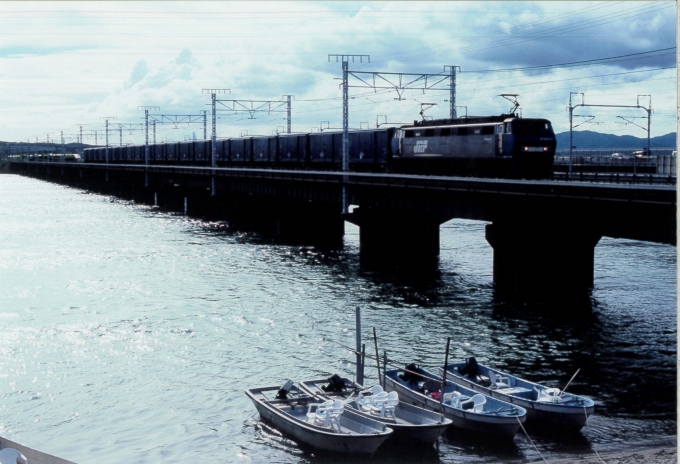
{"x": 572, "y": 378}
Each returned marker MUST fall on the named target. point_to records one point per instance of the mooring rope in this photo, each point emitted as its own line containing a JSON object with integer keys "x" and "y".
{"x": 529, "y": 438}
{"x": 585, "y": 411}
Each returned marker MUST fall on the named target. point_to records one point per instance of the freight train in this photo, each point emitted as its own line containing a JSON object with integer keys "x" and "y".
{"x": 485, "y": 146}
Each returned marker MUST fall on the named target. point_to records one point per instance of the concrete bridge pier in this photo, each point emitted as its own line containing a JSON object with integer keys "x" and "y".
{"x": 320, "y": 224}
{"x": 400, "y": 240}
{"x": 542, "y": 259}
{"x": 292, "y": 221}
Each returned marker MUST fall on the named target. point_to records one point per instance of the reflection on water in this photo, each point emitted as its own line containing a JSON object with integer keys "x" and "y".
{"x": 131, "y": 333}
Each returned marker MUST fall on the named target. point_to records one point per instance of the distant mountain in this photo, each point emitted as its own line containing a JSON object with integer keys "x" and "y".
{"x": 595, "y": 140}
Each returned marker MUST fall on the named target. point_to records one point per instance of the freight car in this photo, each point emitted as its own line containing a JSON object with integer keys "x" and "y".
{"x": 489, "y": 146}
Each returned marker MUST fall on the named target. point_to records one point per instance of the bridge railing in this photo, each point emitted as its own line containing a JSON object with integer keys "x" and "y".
{"x": 659, "y": 163}
{"x": 608, "y": 152}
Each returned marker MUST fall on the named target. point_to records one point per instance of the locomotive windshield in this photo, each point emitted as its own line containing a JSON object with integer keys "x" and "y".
{"x": 532, "y": 126}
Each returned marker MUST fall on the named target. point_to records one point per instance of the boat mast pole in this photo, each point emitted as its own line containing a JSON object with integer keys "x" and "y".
{"x": 377, "y": 358}
{"x": 446, "y": 363}
{"x": 360, "y": 368}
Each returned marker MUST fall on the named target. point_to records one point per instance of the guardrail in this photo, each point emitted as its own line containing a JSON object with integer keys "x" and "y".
{"x": 596, "y": 180}
{"x": 616, "y": 178}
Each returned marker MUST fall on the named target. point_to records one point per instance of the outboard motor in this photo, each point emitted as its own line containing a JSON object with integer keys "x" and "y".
{"x": 471, "y": 368}
{"x": 335, "y": 384}
{"x": 411, "y": 376}
{"x": 283, "y": 391}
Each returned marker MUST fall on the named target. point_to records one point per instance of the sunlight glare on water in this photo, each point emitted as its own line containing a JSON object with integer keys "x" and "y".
{"x": 130, "y": 334}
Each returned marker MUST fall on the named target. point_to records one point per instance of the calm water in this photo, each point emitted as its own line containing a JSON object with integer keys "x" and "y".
{"x": 129, "y": 334}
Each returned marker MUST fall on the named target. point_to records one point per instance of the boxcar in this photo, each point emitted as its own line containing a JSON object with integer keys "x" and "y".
{"x": 237, "y": 150}
{"x": 293, "y": 148}
{"x": 321, "y": 148}
{"x": 222, "y": 152}
{"x": 262, "y": 149}
{"x": 202, "y": 152}
{"x": 185, "y": 152}
{"x": 362, "y": 150}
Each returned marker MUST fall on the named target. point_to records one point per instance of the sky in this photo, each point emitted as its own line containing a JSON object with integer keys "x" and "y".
{"x": 64, "y": 65}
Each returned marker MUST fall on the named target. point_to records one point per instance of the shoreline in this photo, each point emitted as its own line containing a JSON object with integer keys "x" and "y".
{"x": 652, "y": 455}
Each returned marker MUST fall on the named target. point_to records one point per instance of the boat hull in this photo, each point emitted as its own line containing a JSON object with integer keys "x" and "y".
{"x": 426, "y": 433}
{"x": 413, "y": 423}
{"x": 569, "y": 416}
{"x": 493, "y": 425}
{"x": 365, "y": 437}
{"x": 32, "y": 456}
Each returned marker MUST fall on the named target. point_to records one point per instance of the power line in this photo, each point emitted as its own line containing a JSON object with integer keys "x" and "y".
{"x": 576, "y": 63}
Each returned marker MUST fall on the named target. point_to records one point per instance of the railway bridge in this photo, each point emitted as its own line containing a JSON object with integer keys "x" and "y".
{"x": 543, "y": 233}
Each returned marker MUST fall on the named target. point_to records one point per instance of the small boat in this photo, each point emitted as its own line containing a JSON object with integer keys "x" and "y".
{"x": 13, "y": 452}
{"x": 408, "y": 422}
{"x": 466, "y": 409}
{"x": 324, "y": 425}
{"x": 542, "y": 403}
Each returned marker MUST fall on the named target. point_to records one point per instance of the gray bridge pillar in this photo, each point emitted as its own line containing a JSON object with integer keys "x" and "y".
{"x": 397, "y": 239}
{"x": 543, "y": 260}
{"x": 320, "y": 224}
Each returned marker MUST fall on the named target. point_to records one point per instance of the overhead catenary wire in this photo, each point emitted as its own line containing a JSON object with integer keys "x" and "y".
{"x": 575, "y": 20}
{"x": 634, "y": 11}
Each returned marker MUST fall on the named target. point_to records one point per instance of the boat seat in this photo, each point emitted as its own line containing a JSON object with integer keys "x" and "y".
{"x": 365, "y": 403}
{"x": 479, "y": 401}
{"x": 449, "y": 397}
{"x": 476, "y": 403}
{"x": 328, "y": 414}
{"x": 384, "y": 406}
{"x": 13, "y": 456}
{"x": 457, "y": 401}
{"x": 498, "y": 381}
{"x": 375, "y": 400}
{"x": 552, "y": 395}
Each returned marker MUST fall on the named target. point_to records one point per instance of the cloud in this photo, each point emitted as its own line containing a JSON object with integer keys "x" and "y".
{"x": 99, "y": 62}
{"x": 185, "y": 57}
{"x": 139, "y": 72}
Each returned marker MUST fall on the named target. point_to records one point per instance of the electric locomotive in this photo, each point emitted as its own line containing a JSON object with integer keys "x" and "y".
{"x": 491, "y": 146}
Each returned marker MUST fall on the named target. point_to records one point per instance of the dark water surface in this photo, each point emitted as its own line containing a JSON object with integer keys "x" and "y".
{"x": 129, "y": 334}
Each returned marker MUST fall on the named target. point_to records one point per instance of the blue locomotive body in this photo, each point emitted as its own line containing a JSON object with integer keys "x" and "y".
{"x": 491, "y": 146}
{"x": 502, "y": 146}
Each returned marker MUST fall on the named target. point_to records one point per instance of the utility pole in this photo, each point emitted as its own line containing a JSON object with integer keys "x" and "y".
{"x": 649, "y": 118}
{"x": 288, "y": 110}
{"x": 345, "y": 118}
{"x": 571, "y": 119}
{"x": 63, "y": 145}
{"x": 154, "y": 131}
{"x": 106, "y": 121}
{"x": 452, "y": 97}
{"x": 213, "y": 139}
{"x": 205, "y": 124}
{"x": 146, "y": 148}
{"x": 81, "y": 137}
